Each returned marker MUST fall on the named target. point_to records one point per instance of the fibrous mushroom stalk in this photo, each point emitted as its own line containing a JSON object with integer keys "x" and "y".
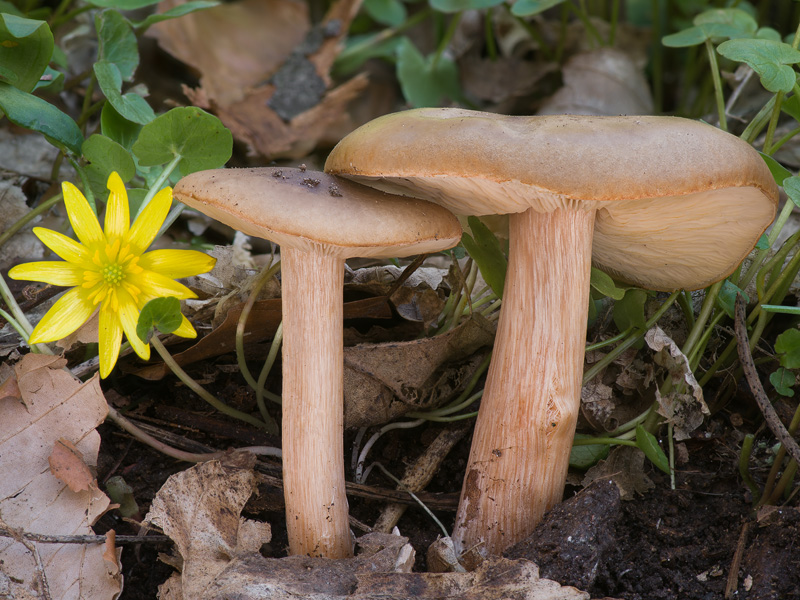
{"x": 313, "y": 448}
{"x": 526, "y": 423}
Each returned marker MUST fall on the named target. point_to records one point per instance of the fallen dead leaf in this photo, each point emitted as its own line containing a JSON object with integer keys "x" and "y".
{"x": 270, "y": 85}
{"x": 217, "y": 564}
{"x": 54, "y": 405}
{"x": 625, "y": 467}
{"x": 67, "y": 465}
{"x": 683, "y": 406}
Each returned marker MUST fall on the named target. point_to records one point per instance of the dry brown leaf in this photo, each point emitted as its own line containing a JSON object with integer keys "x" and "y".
{"x": 385, "y": 381}
{"x": 67, "y": 465}
{"x": 270, "y": 84}
{"x": 199, "y": 508}
{"x": 683, "y": 406}
{"x": 606, "y": 81}
{"x": 32, "y": 499}
{"x": 235, "y": 46}
{"x": 625, "y": 467}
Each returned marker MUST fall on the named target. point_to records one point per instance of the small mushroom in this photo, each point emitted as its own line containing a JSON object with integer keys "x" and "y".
{"x": 317, "y": 230}
{"x": 661, "y": 202}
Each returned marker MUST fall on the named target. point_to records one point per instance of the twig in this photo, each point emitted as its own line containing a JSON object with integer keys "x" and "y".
{"x": 746, "y": 358}
{"x": 733, "y": 572}
{"x": 44, "y": 538}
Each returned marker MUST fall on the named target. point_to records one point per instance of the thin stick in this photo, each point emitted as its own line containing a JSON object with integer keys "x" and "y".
{"x": 43, "y": 538}
{"x": 746, "y": 358}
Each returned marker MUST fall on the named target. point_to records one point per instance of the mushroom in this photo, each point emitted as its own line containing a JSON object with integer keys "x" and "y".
{"x": 319, "y": 221}
{"x": 660, "y": 202}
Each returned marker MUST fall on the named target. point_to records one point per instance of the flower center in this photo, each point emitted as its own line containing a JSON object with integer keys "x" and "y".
{"x": 113, "y": 274}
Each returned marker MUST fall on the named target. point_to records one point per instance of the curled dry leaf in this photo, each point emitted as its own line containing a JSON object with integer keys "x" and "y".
{"x": 54, "y": 405}
{"x": 625, "y": 467}
{"x": 67, "y": 465}
{"x": 683, "y": 406}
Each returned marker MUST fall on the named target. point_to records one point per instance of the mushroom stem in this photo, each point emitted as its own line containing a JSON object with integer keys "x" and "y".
{"x": 313, "y": 449}
{"x": 523, "y": 435}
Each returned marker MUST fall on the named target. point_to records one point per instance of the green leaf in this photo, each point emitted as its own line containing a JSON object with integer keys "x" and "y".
{"x": 162, "y": 313}
{"x": 603, "y": 283}
{"x": 26, "y": 46}
{"x": 787, "y": 345}
{"x": 485, "y": 250}
{"x": 763, "y": 242}
{"x": 791, "y": 106}
{"x": 426, "y": 81}
{"x": 791, "y": 185}
{"x": 629, "y": 312}
{"x": 131, "y": 105}
{"x": 583, "y": 457}
{"x": 768, "y": 58}
{"x": 103, "y": 156}
{"x": 779, "y": 172}
{"x": 454, "y": 6}
{"x": 51, "y": 82}
{"x": 31, "y": 112}
{"x": 727, "y": 297}
{"x": 768, "y": 33}
{"x": 783, "y": 381}
{"x": 116, "y": 127}
{"x": 199, "y": 139}
{"x": 117, "y": 42}
{"x": 123, "y": 4}
{"x": 648, "y": 444}
{"x": 174, "y": 13}
{"x": 386, "y": 12}
{"x": 732, "y": 17}
{"x": 527, "y": 8}
{"x": 360, "y": 48}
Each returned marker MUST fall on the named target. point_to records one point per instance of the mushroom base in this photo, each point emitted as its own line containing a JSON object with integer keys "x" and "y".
{"x": 523, "y": 435}
{"x": 312, "y": 426}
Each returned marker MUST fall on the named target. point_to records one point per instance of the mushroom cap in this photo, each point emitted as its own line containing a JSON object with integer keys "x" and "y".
{"x": 679, "y": 203}
{"x": 314, "y": 211}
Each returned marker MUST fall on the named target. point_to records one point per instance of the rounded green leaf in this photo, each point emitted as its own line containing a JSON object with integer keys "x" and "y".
{"x": 199, "y": 139}
{"x": 26, "y": 46}
{"x": 131, "y": 105}
{"x": 732, "y": 17}
{"x": 791, "y": 185}
{"x": 386, "y": 12}
{"x": 603, "y": 283}
{"x": 454, "y": 6}
{"x": 583, "y": 457}
{"x": 783, "y": 381}
{"x": 116, "y": 127}
{"x": 770, "y": 59}
{"x": 629, "y": 312}
{"x": 117, "y": 42}
{"x": 779, "y": 172}
{"x": 526, "y": 8}
{"x": 787, "y": 345}
{"x": 161, "y": 313}
{"x": 103, "y": 156}
{"x": 123, "y": 4}
{"x": 174, "y": 13}
{"x": 425, "y": 81}
{"x": 31, "y": 112}
{"x": 485, "y": 250}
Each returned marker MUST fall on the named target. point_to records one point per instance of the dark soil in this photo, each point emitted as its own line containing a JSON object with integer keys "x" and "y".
{"x": 668, "y": 544}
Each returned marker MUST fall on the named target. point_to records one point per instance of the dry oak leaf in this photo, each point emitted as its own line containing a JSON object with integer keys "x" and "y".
{"x": 51, "y": 405}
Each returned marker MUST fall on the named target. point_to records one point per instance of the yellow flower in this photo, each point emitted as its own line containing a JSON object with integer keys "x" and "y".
{"x": 110, "y": 269}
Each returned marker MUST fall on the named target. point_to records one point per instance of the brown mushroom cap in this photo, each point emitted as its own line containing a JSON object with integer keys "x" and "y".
{"x": 680, "y": 203}
{"x": 312, "y": 210}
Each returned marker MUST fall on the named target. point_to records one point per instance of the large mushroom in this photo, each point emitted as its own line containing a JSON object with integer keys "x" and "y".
{"x": 661, "y": 202}
{"x": 318, "y": 220}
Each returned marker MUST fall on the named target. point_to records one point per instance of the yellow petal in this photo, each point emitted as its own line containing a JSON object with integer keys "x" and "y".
{"x": 53, "y": 272}
{"x": 117, "y": 212}
{"x": 145, "y": 228}
{"x": 185, "y": 329}
{"x": 64, "y": 246}
{"x": 65, "y": 316}
{"x": 155, "y": 285}
{"x": 177, "y": 263}
{"x": 129, "y": 317}
{"x": 80, "y": 214}
{"x": 110, "y": 338}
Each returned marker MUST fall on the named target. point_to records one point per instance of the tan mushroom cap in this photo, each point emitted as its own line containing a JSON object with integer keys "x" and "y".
{"x": 680, "y": 203}
{"x": 309, "y": 210}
